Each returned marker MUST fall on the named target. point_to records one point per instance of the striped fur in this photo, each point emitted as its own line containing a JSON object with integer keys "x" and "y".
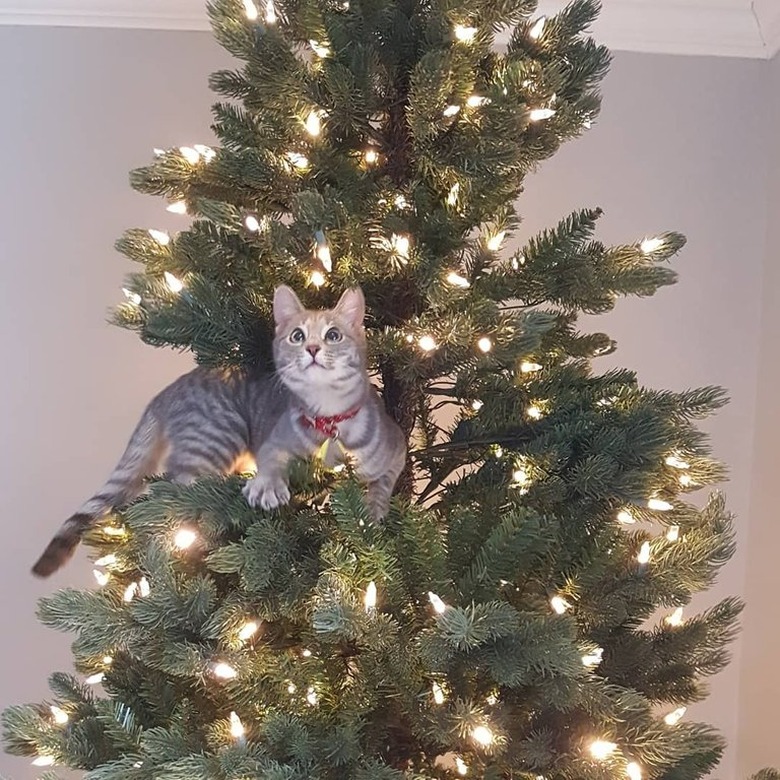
{"x": 212, "y": 422}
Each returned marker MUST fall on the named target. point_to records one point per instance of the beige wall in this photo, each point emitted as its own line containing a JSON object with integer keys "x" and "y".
{"x": 682, "y": 144}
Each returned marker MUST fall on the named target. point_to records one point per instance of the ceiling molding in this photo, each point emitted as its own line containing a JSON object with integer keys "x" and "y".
{"x": 725, "y": 28}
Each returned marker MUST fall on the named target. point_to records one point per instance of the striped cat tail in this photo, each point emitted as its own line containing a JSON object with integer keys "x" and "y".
{"x": 141, "y": 459}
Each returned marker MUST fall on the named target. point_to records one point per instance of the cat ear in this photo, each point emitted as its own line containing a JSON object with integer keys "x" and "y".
{"x": 352, "y": 306}
{"x": 286, "y": 304}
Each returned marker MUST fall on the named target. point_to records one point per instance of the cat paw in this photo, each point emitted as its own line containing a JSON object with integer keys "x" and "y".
{"x": 266, "y": 493}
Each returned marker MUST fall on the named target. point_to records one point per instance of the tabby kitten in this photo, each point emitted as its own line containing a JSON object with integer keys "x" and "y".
{"x": 211, "y": 421}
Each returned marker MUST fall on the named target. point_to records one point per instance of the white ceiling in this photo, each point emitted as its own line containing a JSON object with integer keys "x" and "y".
{"x": 726, "y": 28}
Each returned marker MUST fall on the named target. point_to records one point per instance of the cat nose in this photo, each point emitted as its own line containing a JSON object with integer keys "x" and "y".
{"x": 312, "y": 349}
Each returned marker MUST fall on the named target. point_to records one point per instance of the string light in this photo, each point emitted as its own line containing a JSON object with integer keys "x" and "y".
{"x": 144, "y": 589}
{"x": 516, "y": 262}
{"x": 537, "y": 29}
{"x": 206, "y": 152}
{"x": 496, "y": 240}
{"x": 316, "y": 278}
{"x": 175, "y": 285}
{"x": 158, "y": 152}
{"x": 185, "y": 538}
{"x": 675, "y": 716}
{"x": 237, "y": 729}
{"x": 534, "y": 412}
{"x": 438, "y": 605}
{"x": 130, "y": 592}
{"x": 590, "y": 660}
{"x": 485, "y": 344}
{"x": 676, "y": 618}
{"x": 461, "y": 766}
{"x": 644, "y": 554}
{"x": 112, "y": 530}
{"x": 677, "y": 463}
{"x": 492, "y": 700}
{"x": 160, "y": 236}
{"x": 452, "y": 197}
{"x": 291, "y": 688}
{"x": 270, "y": 12}
{"x": 482, "y": 735}
{"x": 95, "y": 679}
{"x": 477, "y": 405}
{"x": 106, "y": 560}
{"x": 673, "y": 534}
{"x": 633, "y": 771}
{"x": 601, "y": 749}
{"x": 400, "y": 246}
{"x": 369, "y": 600}
{"x": 625, "y": 517}
{"x": 107, "y": 660}
{"x": 427, "y": 343}
{"x": 251, "y": 10}
{"x": 190, "y": 155}
{"x": 451, "y": 110}
{"x": 520, "y": 477}
{"x": 527, "y": 367}
{"x": 313, "y": 124}
{"x": 101, "y": 577}
{"x": 178, "y": 207}
{"x": 686, "y": 480}
{"x": 475, "y": 101}
{"x": 60, "y": 716}
{"x": 650, "y": 245}
{"x": 306, "y": 653}
{"x": 311, "y": 697}
{"x": 456, "y": 280}
{"x": 539, "y": 114}
{"x": 323, "y": 251}
{"x": 371, "y": 156}
{"x": 252, "y": 223}
{"x": 248, "y": 630}
{"x": 465, "y": 34}
{"x": 438, "y": 693}
{"x": 320, "y": 49}
{"x": 659, "y": 505}
{"x": 297, "y": 160}
{"x": 559, "y": 604}
{"x": 44, "y": 761}
{"x": 224, "y": 671}
{"x": 401, "y": 202}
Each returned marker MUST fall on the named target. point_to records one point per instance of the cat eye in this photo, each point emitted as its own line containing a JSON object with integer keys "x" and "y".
{"x": 333, "y": 335}
{"x": 297, "y": 336}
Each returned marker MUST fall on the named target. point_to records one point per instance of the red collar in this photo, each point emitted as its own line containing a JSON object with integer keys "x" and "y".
{"x": 328, "y": 426}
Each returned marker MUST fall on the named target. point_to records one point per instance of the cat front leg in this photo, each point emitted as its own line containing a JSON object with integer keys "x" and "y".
{"x": 269, "y": 488}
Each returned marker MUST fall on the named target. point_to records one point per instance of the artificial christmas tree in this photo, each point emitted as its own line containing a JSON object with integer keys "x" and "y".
{"x": 519, "y": 613}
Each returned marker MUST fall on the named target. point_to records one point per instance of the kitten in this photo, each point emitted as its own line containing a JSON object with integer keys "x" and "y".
{"x": 209, "y": 421}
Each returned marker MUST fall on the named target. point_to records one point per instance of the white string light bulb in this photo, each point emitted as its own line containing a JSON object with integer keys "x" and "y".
{"x": 559, "y": 604}
{"x": 111, "y": 530}
{"x": 452, "y": 196}
{"x": 438, "y": 605}
{"x": 306, "y": 653}
{"x": 248, "y": 630}
{"x": 317, "y": 278}
{"x": 438, "y": 693}
{"x": 320, "y": 49}
{"x": 456, "y": 280}
{"x": 60, "y": 716}
{"x": 251, "y": 10}
{"x": 686, "y": 480}
{"x": 130, "y": 592}
{"x": 461, "y": 766}
{"x": 475, "y": 101}
{"x": 106, "y": 560}
{"x": 175, "y": 285}
{"x": 673, "y": 534}
{"x": 224, "y": 671}
{"x": 496, "y": 240}
{"x": 676, "y": 618}
{"x": 650, "y": 245}
{"x": 252, "y": 223}
{"x": 311, "y": 697}
{"x": 369, "y": 600}
{"x": 520, "y": 477}
{"x": 270, "y": 12}
{"x": 189, "y": 154}
{"x": 108, "y": 660}
{"x": 185, "y": 538}
{"x": 427, "y": 343}
{"x": 237, "y": 729}
{"x": 160, "y": 236}
{"x": 540, "y": 114}
{"x": 624, "y": 517}
{"x": 602, "y": 749}
{"x": 482, "y": 735}
{"x": 291, "y": 688}
{"x": 400, "y": 245}
{"x": 371, "y": 156}
{"x": 297, "y": 160}
{"x": 44, "y": 761}
{"x": 659, "y": 505}
{"x": 589, "y": 660}
{"x": 477, "y": 405}
{"x": 485, "y": 344}
{"x": 534, "y": 412}
{"x": 313, "y": 124}
{"x": 644, "y": 554}
{"x": 95, "y": 679}
{"x": 178, "y": 207}
{"x": 528, "y": 367}
{"x": 465, "y": 34}
{"x": 677, "y": 463}
{"x": 101, "y": 577}
{"x": 451, "y": 110}
{"x": 675, "y": 716}
{"x": 144, "y": 588}
{"x": 537, "y": 29}
{"x": 206, "y": 152}
{"x": 633, "y": 771}
{"x": 324, "y": 254}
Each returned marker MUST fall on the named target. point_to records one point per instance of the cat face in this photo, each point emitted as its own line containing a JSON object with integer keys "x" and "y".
{"x": 319, "y": 350}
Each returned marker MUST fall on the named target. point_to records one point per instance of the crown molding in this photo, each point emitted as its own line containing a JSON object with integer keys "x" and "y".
{"x": 724, "y": 28}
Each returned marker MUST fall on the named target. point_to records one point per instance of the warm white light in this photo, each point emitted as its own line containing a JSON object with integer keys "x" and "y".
{"x": 371, "y": 157}
{"x": 224, "y": 671}
{"x": 492, "y": 700}
{"x": 291, "y": 688}
{"x": 101, "y": 577}
{"x": 538, "y": 114}
{"x": 306, "y": 653}
{"x": 130, "y": 592}
{"x": 451, "y": 110}
{"x": 185, "y": 538}
{"x": 44, "y": 761}
{"x": 237, "y": 729}
{"x": 94, "y": 679}
{"x": 593, "y": 659}
{"x": 527, "y": 367}
{"x": 520, "y": 477}
{"x": 248, "y": 630}
{"x": 485, "y": 344}
{"x": 534, "y": 412}
{"x": 675, "y": 716}
{"x": 316, "y": 278}
{"x": 477, "y": 405}
{"x": 625, "y": 517}
{"x": 673, "y": 534}
{"x": 644, "y": 553}
{"x": 650, "y": 245}
{"x": 60, "y": 716}
{"x": 324, "y": 255}
{"x": 559, "y": 604}
{"x": 475, "y": 101}
{"x": 159, "y": 152}
{"x": 251, "y": 10}
{"x": 452, "y": 197}
{"x": 677, "y": 463}
{"x": 270, "y": 12}
{"x": 206, "y": 152}
{"x": 465, "y": 34}
{"x": 456, "y": 280}
{"x": 252, "y": 223}
{"x": 179, "y": 207}
{"x": 144, "y": 589}
{"x": 659, "y": 505}
{"x": 298, "y": 160}
{"x": 111, "y": 530}
{"x": 601, "y": 750}
{"x": 482, "y": 735}
{"x": 189, "y": 154}
{"x": 313, "y": 124}
{"x": 438, "y": 693}
{"x": 369, "y": 599}
{"x": 676, "y": 618}
{"x": 538, "y": 28}
{"x": 401, "y": 202}
{"x": 400, "y": 245}
{"x": 106, "y": 560}
{"x": 320, "y": 49}
{"x": 160, "y": 236}
{"x": 427, "y": 343}
{"x": 311, "y": 697}
{"x": 496, "y": 240}
{"x": 438, "y": 605}
{"x": 175, "y": 285}
{"x": 498, "y": 451}
{"x": 461, "y": 766}
{"x": 686, "y": 480}
{"x": 633, "y": 771}
{"x": 107, "y": 660}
